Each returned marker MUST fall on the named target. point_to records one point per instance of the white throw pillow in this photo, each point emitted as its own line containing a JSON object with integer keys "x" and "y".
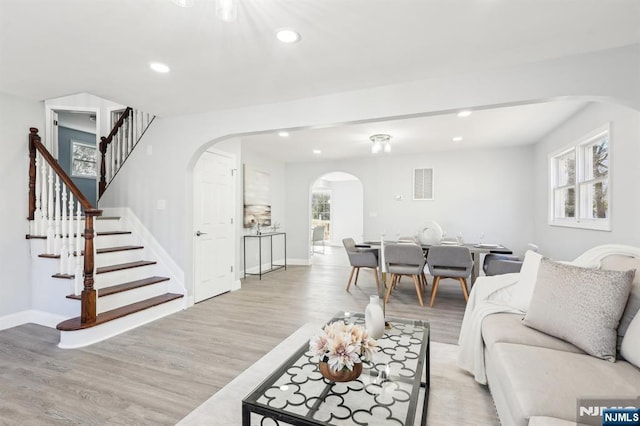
{"x": 630, "y": 348}
{"x": 582, "y": 306}
{"x": 523, "y": 289}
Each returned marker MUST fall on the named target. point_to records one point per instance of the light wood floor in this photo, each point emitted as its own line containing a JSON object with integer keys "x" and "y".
{"x": 160, "y": 372}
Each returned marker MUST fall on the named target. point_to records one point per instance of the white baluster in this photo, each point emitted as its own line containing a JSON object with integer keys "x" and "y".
{"x": 132, "y": 141}
{"x": 56, "y": 209}
{"x": 44, "y": 182}
{"x": 37, "y": 214}
{"x": 70, "y": 258}
{"x": 64, "y": 246}
{"x": 50, "y": 231}
{"x": 78, "y": 269}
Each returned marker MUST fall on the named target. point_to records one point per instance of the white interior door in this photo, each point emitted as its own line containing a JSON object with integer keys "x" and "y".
{"x": 214, "y": 206}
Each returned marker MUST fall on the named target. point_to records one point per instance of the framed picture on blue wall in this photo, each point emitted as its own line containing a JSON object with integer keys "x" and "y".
{"x": 84, "y": 159}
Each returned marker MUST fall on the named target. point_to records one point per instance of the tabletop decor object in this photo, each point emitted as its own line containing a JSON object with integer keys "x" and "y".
{"x": 342, "y": 348}
{"x": 374, "y": 317}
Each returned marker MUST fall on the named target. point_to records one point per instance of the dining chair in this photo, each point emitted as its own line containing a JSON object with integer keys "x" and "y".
{"x": 360, "y": 257}
{"x": 449, "y": 262}
{"x": 317, "y": 236}
{"x": 405, "y": 259}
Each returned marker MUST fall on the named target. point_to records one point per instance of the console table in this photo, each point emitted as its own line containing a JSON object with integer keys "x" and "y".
{"x": 272, "y": 267}
{"x": 393, "y": 390}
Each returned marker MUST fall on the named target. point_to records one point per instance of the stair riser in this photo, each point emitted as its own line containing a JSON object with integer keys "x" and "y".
{"x": 105, "y": 241}
{"x": 117, "y": 300}
{"x": 105, "y": 225}
{"x": 80, "y": 338}
{"x": 118, "y": 277}
{"x": 118, "y": 257}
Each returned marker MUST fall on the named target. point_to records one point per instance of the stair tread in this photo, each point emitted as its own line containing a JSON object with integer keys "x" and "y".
{"x": 119, "y": 288}
{"x": 118, "y": 248}
{"x": 98, "y": 251}
{"x": 75, "y": 324}
{"x": 121, "y": 266}
{"x": 112, "y": 233}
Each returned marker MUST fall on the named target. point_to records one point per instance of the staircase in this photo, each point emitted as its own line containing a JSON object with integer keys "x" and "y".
{"x": 116, "y": 276}
{"x": 132, "y": 287}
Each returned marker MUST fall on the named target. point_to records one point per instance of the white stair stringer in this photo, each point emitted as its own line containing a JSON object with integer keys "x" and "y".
{"x": 89, "y": 336}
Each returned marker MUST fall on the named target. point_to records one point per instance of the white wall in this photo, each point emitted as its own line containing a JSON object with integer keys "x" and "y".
{"x": 17, "y": 115}
{"x": 475, "y": 191}
{"x": 567, "y": 243}
{"x": 178, "y": 141}
{"x": 347, "y": 212}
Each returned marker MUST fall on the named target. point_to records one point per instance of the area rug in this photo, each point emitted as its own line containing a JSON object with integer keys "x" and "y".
{"x": 454, "y": 397}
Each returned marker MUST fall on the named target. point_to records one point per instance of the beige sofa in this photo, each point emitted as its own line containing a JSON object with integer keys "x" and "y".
{"x": 536, "y": 379}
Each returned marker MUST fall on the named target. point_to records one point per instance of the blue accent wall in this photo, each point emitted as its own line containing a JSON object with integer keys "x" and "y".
{"x": 86, "y": 185}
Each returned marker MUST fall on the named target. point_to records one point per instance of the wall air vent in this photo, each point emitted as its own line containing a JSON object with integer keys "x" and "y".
{"x": 423, "y": 184}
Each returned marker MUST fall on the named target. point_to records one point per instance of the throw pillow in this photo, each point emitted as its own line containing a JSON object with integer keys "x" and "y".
{"x": 580, "y": 305}
{"x": 630, "y": 348}
{"x": 523, "y": 289}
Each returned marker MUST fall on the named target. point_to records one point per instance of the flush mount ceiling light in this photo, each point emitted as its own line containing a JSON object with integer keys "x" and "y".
{"x": 380, "y": 143}
{"x": 287, "y": 35}
{"x": 158, "y": 67}
{"x": 464, "y": 113}
{"x": 184, "y": 3}
{"x": 317, "y": 151}
{"x": 283, "y": 134}
{"x": 227, "y": 10}
{"x": 457, "y": 138}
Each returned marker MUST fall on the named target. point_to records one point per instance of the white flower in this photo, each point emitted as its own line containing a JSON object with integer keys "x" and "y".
{"x": 343, "y": 345}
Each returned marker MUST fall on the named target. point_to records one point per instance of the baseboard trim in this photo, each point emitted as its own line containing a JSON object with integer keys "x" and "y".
{"x": 30, "y": 316}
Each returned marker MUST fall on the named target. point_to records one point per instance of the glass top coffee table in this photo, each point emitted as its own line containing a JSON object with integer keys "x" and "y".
{"x": 394, "y": 390}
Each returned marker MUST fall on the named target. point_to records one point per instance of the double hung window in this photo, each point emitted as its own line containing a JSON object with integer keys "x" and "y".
{"x": 579, "y": 195}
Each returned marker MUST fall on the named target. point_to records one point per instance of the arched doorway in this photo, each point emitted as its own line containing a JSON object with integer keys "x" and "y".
{"x": 337, "y": 206}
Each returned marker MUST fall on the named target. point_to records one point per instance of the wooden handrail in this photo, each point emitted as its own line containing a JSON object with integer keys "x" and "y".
{"x": 88, "y": 298}
{"x": 102, "y": 147}
{"x": 36, "y": 144}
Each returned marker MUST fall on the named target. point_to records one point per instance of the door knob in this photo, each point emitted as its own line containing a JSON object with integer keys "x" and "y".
{"x": 198, "y": 233}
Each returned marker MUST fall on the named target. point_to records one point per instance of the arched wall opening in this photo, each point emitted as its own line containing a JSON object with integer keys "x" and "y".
{"x": 337, "y": 205}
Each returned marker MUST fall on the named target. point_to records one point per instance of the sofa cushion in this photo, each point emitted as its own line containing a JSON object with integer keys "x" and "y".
{"x": 624, "y": 263}
{"x": 544, "y": 382}
{"x": 508, "y": 328}
{"x": 580, "y": 305}
{"x": 630, "y": 348}
{"x": 523, "y": 289}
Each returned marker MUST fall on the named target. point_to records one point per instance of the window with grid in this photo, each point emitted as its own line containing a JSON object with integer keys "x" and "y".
{"x": 580, "y": 181}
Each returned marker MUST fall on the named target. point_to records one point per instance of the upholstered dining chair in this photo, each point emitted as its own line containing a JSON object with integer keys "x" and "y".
{"x": 405, "y": 259}
{"x": 361, "y": 258}
{"x": 449, "y": 262}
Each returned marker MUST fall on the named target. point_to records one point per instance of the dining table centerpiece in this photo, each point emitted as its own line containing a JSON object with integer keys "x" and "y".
{"x": 341, "y": 349}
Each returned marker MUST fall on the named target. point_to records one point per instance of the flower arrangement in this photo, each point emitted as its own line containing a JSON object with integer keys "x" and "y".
{"x": 342, "y": 346}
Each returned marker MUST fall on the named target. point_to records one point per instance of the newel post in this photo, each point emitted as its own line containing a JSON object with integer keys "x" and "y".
{"x": 88, "y": 314}
{"x": 33, "y": 137}
{"x": 103, "y": 166}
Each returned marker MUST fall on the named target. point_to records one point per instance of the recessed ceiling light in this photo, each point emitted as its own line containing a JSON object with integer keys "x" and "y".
{"x": 158, "y": 67}
{"x": 317, "y": 151}
{"x": 465, "y": 113}
{"x": 457, "y": 138}
{"x": 283, "y": 134}
{"x": 287, "y": 35}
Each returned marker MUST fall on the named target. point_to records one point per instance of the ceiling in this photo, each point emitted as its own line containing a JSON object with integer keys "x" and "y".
{"x": 57, "y": 48}
{"x": 498, "y": 127}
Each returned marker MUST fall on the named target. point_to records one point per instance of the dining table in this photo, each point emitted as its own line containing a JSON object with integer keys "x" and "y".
{"x": 476, "y": 250}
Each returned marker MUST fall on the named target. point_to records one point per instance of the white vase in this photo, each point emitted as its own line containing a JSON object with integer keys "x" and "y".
{"x": 374, "y": 318}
